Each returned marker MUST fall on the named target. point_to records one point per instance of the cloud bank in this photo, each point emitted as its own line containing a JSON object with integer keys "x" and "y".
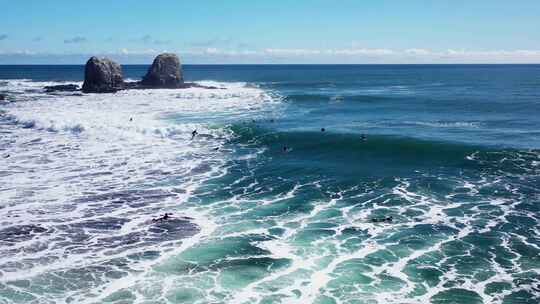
{"x": 77, "y": 39}
{"x": 148, "y": 39}
{"x": 213, "y": 54}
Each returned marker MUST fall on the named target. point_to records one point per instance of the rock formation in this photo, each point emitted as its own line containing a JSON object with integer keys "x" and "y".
{"x": 102, "y": 75}
{"x": 62, "y": 87}
{"x": 165, "y": 72}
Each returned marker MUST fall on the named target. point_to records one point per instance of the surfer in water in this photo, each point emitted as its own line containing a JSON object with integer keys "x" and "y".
{"x": 382, "y": 220}
{"x": 193, "y": 134}
{"x": 164, "y": 217}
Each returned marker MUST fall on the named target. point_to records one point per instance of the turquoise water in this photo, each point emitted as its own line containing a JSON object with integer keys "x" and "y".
{"x": 450, "y": 152}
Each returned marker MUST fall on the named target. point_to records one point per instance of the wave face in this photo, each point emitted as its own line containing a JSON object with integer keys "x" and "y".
{"x": 268, "y": 208}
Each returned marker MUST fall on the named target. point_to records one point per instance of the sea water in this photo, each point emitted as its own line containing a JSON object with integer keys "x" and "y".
{"x": 267, "y": 207}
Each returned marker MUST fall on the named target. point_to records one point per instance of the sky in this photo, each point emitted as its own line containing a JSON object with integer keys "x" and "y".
{"x": 277, "y": 31}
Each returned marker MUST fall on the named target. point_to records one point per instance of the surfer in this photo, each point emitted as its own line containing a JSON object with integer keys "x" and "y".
{"x": 323, "y": 129}
{"x": 382, "y": 220}
{"x": 194, "y": 133}
{"x": 164, "y": 217}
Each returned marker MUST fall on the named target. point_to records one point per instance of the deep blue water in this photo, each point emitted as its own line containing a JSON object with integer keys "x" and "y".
{"x": 478, "y": 104}
{"x": 280, "y": 212}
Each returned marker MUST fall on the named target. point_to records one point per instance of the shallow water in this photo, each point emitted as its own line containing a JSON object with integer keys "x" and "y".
{"x": 452, "y": 154}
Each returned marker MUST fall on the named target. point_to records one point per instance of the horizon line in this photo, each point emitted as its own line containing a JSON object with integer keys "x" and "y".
{"x": 442, "y": 63}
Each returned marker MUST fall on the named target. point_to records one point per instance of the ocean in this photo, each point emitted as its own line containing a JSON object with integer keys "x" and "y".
{"x": 305, "y": 184}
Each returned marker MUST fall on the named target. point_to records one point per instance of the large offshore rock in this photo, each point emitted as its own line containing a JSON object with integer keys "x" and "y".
{"x": 102, "y": 75}
{"x": 165, "y": 72}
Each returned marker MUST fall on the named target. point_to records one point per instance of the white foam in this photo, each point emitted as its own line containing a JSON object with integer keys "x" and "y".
{"x": 65, "y": 148}
{"x": 446, "y": 124}
{"x": 94, "y": 134}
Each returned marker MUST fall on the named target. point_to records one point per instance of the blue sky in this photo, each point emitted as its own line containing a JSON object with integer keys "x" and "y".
{"x": 318, "y": 31}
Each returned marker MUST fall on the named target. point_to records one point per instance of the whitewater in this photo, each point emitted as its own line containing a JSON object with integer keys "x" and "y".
{"x": 82, "y": 176}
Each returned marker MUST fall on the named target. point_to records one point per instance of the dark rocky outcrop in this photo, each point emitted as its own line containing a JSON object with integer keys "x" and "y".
{"x": 102, "y": 75}
{"x": 62, "y": 88}
{"x": 165, "y": 72}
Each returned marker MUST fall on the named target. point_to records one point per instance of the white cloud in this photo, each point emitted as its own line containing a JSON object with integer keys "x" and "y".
{"x": 361, "y": 52}
{"x": 494, "y": 53}
{"x": 125, "y": 51}
{"x": 297, "y": 55}
{"x": 19, "y": 52}
{"x": 213, "y": 51}
{"x": 293, "y": 52}
{"x": 220, "y": 52}
{"x": 418, "y": 52}
{"x": 76, "y": 39}
{"x": 213, "y": 42}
